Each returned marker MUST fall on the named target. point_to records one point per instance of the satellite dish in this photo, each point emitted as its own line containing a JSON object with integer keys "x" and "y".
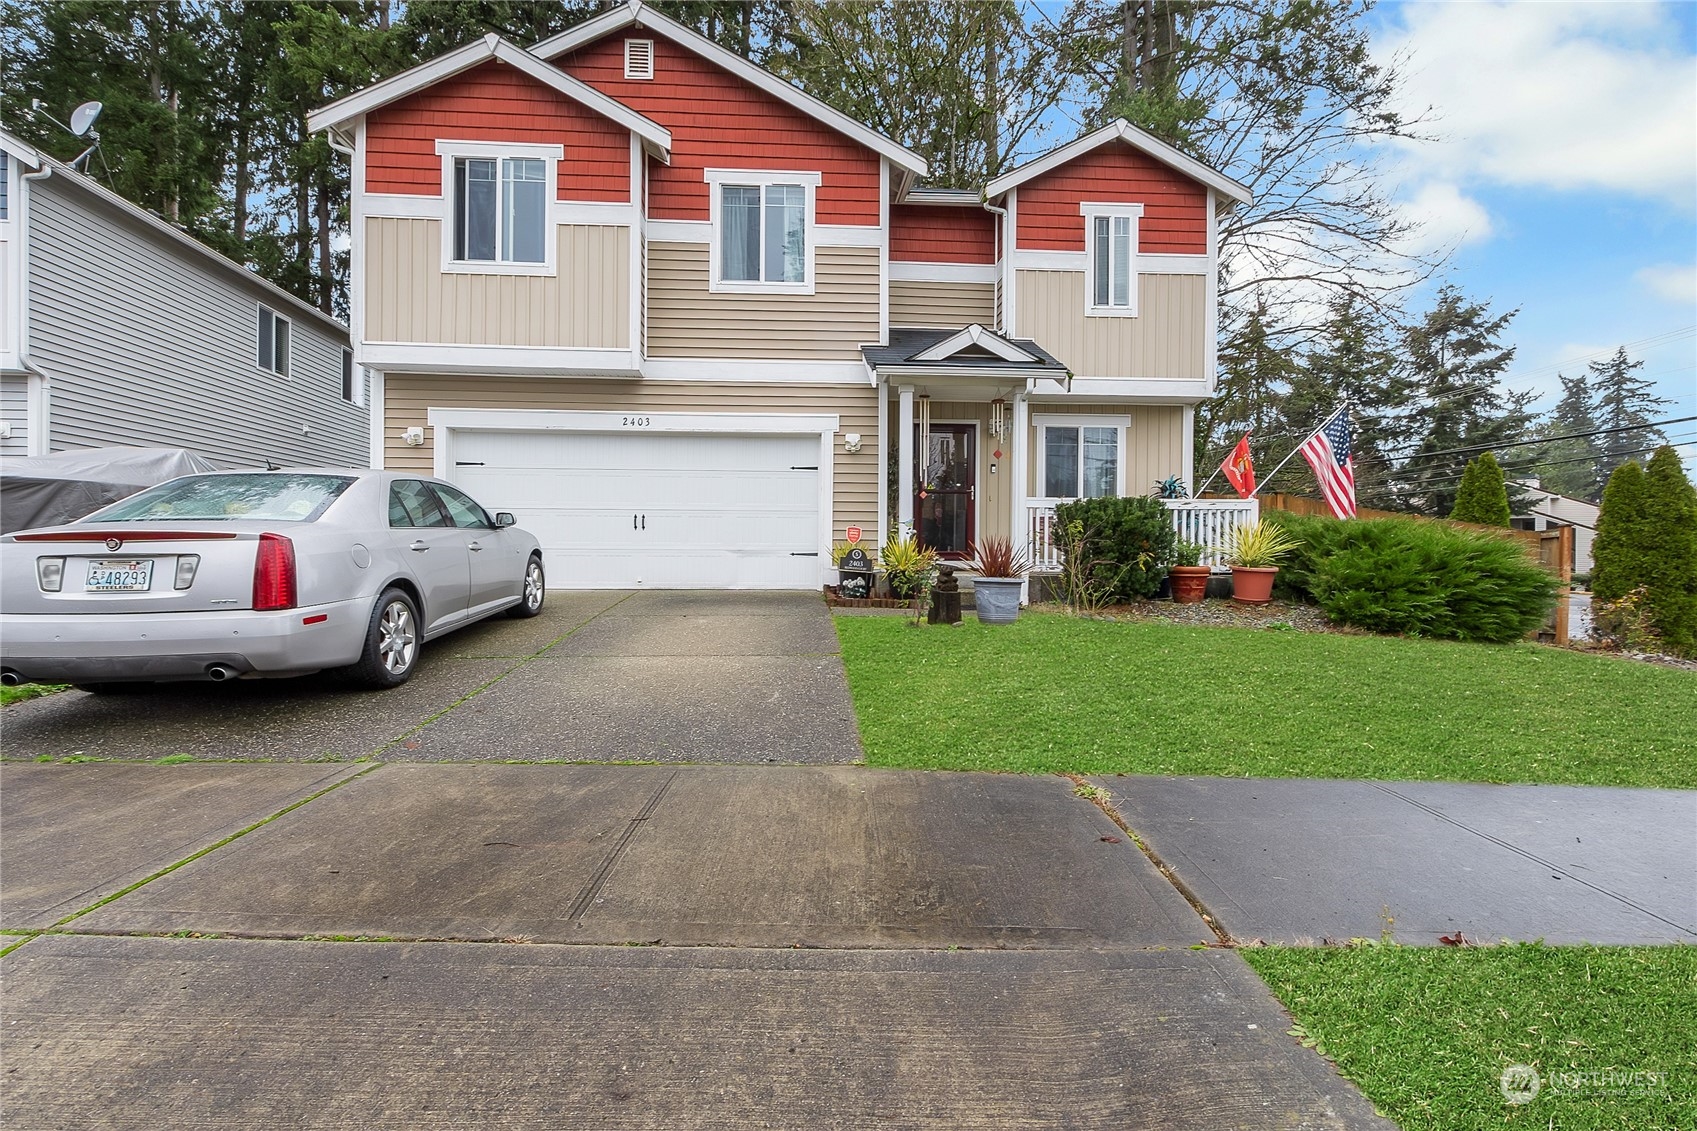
{"x": 82, "y": 118}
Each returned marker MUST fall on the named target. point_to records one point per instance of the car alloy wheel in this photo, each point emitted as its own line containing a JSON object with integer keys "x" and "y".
{"x": 397, "y": 641}
{"x": 533, "y": 585}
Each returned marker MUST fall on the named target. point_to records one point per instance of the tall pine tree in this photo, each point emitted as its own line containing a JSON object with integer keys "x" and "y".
{"x": 1626, "y": 402}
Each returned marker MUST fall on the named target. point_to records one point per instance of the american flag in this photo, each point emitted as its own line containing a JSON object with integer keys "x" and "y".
{"x": 1328, "y": 453}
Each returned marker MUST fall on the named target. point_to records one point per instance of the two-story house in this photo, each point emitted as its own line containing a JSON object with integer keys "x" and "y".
{"x": 118, "y": 329}
{"x": 691, "y": 324}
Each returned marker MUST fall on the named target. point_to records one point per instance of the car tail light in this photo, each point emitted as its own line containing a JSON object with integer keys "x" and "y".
{"x": 51, "y": 573}
{"x": 187, "y": 564}
{"x": 274, "y": 573}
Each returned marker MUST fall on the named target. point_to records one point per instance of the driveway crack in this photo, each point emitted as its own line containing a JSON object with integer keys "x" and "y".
{"x": 598, "y": 879}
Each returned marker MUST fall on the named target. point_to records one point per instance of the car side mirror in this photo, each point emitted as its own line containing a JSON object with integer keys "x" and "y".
{"x": 504, "y": 518}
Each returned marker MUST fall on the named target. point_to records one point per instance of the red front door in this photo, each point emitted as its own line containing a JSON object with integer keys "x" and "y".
{"x": 946, "y": 488}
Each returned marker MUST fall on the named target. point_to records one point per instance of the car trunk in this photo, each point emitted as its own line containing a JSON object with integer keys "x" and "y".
{"x": 132, "y": 568}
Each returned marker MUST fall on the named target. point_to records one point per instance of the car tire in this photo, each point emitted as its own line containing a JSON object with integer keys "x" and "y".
{"x": 392, "y": 643}
{"x": 534, "y": 591}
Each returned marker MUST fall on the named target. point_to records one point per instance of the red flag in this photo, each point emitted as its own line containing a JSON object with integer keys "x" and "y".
{"x": 1240, "y": 469}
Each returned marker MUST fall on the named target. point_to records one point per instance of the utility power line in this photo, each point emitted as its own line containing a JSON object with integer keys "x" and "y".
{"x": 1655, "y": 424}
{"x": 1684, "y": 440}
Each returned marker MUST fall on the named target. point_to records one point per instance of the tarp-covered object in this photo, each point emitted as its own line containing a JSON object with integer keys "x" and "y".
{"x": 55, "y": 489}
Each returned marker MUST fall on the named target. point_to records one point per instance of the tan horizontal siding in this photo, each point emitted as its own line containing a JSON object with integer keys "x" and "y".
{"x": 409, "y": 298}
{"x": 1154, "y": 442}
{"x": 1168, "y": 338}
{"x": 941, "y": 304}
{"x": 408, "y": 400}
{"x": 685, "y": 319}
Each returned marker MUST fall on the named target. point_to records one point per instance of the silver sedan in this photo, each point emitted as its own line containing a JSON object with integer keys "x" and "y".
{"x": 262, "y": 573}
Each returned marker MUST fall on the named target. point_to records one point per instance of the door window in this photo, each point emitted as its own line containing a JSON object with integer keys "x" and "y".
{"x": 413, "y": 503}
{"x": 463, "y": 509}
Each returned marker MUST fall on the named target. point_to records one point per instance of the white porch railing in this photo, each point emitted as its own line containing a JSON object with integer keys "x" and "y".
{"x": 1207, "y": 522}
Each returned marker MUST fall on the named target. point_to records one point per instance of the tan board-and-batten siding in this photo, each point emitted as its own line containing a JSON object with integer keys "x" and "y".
{"x": 685, "y": 319}
{"x": 941, "y": 303}
{"x": 1167, "y": 339}
{"x": 408, "y": 399}
{"x": 409, "y": 298}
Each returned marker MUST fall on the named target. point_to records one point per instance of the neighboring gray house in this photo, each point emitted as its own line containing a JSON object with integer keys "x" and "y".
{"x": 116, "y": 328}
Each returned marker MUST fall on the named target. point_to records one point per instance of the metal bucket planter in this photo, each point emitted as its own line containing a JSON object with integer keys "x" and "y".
{"x": 997, "y": 599}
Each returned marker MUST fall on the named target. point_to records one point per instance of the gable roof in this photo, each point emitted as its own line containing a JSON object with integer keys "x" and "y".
{"x": 973, "y": 349}
{"x": 174, "y": 235}
{"x": 655, "y": 137}
{"x": 1120, "y": 130}
{"x": 636, "y": 13}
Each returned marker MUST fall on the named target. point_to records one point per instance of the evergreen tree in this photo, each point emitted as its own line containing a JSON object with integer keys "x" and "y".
{"x": 1482, "y": 497}
{"x": 1626, "y": 402}
{"x": 1457, "y": 360}
{"x": 1670, "y": 571}
{"x": 1624, "y": 533}
{"x": 1571, "y": 467}
{"x": 1254, "y": 369}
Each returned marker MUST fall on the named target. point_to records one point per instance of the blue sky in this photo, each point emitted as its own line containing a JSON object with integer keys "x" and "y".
{"x": 1564, "y": 176}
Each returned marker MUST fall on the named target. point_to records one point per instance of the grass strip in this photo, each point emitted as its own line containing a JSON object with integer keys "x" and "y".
{"x": 1428, "y": 1033}
{"x": 1059, "y": 694}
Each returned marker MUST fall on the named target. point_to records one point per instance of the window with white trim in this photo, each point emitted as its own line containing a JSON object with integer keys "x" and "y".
{"x": 1080, "y": 457}
{"x": 763, "y": 231}
{"x": 273, "y": 352}
{"x": 500, "y": 209}
{"x": 5, "y": 186}
{"x": 350, "y": 387}
{"x": 1110, "y": 243}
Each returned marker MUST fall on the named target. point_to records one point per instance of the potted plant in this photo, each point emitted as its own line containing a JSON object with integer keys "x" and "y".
{"x": 908, "y": 569}
{"x": 1189, "y": 577}
{"x": 1254, "y": 553}
{"x": 1001, "y": 568}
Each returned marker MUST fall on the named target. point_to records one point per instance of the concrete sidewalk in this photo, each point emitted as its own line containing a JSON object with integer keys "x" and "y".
{"x": 1302, "y": 861}
{"x": 801, "y": 947}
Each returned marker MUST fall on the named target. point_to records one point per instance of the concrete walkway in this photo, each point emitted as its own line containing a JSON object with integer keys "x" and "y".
{"x": 621, "y": 946}
{"x": 652, "y": 676}
{"x": 1300, "y": 861}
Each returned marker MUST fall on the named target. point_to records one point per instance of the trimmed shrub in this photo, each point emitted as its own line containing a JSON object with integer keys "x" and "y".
{"x": 1671, "y": 506}
{"x": 1412, "y": 577}
{"x": 1646, "y": 556}
{"x": 1623, "y": 534}
{"x": 1123, "y": 545}
{"x": 1482, "y": 497}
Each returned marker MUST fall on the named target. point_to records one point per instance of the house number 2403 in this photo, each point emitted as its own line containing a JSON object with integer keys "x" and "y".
{"x": 636, "y": 421}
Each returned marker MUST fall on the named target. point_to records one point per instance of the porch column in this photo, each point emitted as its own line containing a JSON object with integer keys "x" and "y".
{"x": 883, "y": 530}
{"x": 1019, "y": 451}
{"x": 904, "y": 462}
{"x": 1188, "y": 458}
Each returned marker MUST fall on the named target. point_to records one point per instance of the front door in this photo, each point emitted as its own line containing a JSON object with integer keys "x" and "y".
{"x": 946, "y": 490}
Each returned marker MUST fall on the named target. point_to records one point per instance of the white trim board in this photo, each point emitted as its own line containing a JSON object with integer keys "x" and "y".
{"x": 539, "y": 361}
{"x": 915, "y": 271}
{"x": 1120, "y": 130}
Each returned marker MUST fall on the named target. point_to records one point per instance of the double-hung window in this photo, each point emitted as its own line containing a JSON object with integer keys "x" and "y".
{"x": 1081, "y": 457}
{"x": 498, "y": 203}
{"x": 762, "y": 230}
{"x": 273, "y": 354}
{"x": 1110, "y": 238}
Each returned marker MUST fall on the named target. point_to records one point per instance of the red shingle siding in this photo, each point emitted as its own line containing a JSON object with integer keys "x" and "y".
{"x": 929, "y": 233}
{"x": 493, "y": 102}
{"x": 719, "y": 121}
{"x": 1175, "y": 208}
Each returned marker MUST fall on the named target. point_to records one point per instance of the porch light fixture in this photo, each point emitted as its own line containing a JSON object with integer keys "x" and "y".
{"x": 414, "y": 437}
{"x": 999, "y": 418}
{"x": 851, "y": 442}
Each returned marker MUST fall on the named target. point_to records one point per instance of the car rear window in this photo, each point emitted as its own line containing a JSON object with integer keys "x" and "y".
{"x": 263, "y": 498}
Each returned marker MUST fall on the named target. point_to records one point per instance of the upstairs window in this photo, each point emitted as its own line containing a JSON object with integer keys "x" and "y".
{"x": 762, "y": 238}
{"x": 5, "y": 185}
{"x": 273, "y": 353}
{"x": 500, "y": 209}
{"x": 351, "y": 379}
{"x": 1111, "y": 252}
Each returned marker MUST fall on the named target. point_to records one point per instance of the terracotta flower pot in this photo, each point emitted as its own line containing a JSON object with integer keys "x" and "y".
{"x": 1190, "y": 584}
{"x": 1253, "y": 585}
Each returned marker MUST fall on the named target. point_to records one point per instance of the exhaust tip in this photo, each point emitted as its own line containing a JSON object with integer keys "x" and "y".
{"x": 9, "y": 678}
{"x": 218, "y": 673}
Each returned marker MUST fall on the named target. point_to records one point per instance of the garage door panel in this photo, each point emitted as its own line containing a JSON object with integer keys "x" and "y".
{"x": 666, "y": 509}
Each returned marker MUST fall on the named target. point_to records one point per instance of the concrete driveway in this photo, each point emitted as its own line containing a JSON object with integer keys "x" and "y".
{"x": 651, "y": 676}
{"x": 565, "y": 946}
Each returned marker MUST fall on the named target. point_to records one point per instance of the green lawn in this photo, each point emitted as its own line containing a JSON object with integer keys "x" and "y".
{"x": 1426, "y": 1033}
{"x": 1055, "y": 693}
{"x": 10, "y": 695}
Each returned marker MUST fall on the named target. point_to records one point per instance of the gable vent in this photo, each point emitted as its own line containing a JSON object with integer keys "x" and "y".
{"x": 639, "y": 58}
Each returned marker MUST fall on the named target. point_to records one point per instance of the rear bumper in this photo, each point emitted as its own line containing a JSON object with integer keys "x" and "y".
{"x": 176, "y": 646}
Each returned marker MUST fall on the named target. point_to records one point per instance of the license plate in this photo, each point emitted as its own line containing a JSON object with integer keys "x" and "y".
{"x": 129, "y": 577}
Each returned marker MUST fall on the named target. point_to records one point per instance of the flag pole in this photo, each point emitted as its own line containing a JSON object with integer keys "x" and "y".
{"x": 1298, "y": 448}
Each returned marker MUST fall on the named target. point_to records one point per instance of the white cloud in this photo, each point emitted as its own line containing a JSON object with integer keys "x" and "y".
{"x": 1671, "y": 282}
{"x": 1447, "y": 217}
{"x": 1564, "y": 96}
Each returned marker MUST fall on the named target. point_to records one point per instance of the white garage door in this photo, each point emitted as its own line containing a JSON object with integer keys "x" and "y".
{"x": 658, "y": 510}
